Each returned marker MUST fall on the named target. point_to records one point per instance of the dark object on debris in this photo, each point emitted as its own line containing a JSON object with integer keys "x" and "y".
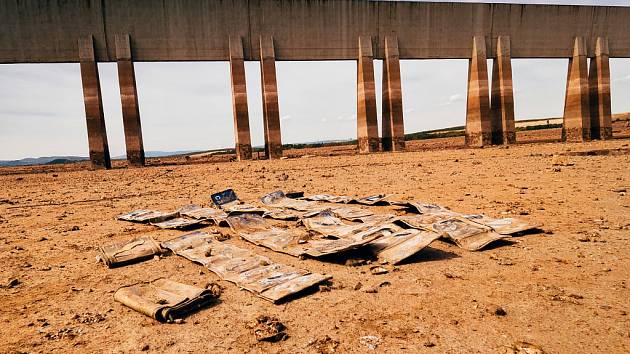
{"x": 498, "y": 311}
{"x": 147, "y": 216}
{"x": 294, "y": 195}
{"x": 164, "y": 299}
{"x": 271, "y": 281}
{"x": 224, "y": 197}
{"x": 123, "y": 253}
{"x": 229, "y": 202}
{"x": 269, "y": 329}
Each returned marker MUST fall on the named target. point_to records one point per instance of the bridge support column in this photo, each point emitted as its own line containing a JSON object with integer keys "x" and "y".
{"x": 239, "y": 99}
{"x": 502, "y": 95}
{"x": 478, "y": 122}
{"x": 271, "y": 112}
{"x": 97, "y": 134}
{"x": 129, "y": 102}
{"x": 367, "y": 129}
{"x": 393, "y": 122}
{"x": 599, "y": 87}
{"x": 577, "y": 120}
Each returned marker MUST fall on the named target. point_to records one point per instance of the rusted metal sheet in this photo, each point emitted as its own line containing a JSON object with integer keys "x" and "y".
{"x": 216, "y": 216}
{"x": 277, "y": 199}
{"x": 396, "y": 247}
{"x": 165, "y": 300}
{"x": 427, "y": 208}
{"x": 334, "y": 236}
{"x": 132, "y": 251}
{"x": 466, "y": 234}
{"x": 229, "y": 202}
{"x": 255, "y": 273}
{"x": 504, "y": 226}
{"x": 254, "y": 229}
{"x": 329, "y": 198}
{"x": 147, "y": 216}
{"x": 377, "y": 199}
{"x": 351, "y": 213}
{"x": 178, "y": 223}
{"x": 282, "y": 214}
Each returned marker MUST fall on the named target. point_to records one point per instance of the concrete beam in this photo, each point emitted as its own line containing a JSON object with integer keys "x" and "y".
{"x": 129, "y": 102}
{"x": 97, "y": 134}
{"x": 367, "y": 129}
{"x": 239, "y": 100}
{"x": 502, "y": 95}
{"x": 271, "y": 112}
{"x": 478, "y": 124}
{"x": 577, "y": 118}
{"x": 393, "y": 122}
{"x": 599, "y": 87}
{"x": 185, "y": 30}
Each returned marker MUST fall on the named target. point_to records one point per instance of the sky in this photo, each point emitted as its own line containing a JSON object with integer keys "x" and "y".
{"x": 187, "y": 105}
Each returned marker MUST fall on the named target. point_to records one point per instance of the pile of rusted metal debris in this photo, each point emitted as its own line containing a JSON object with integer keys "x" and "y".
{"x": 313, "y": 226}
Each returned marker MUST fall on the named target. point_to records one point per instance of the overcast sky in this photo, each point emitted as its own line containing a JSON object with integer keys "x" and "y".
{"x": 187, "y": 106}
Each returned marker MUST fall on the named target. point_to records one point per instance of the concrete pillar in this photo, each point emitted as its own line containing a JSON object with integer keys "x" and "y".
{"x": 271, "y": 112}
{"x": 239, "y": 100}
{"x": 599, "y": 87}
{"x": 129, "y": 101}
{"x": 478, "y": 125}
{"x": 97, "y": 134}
{"x": 577, "y": 119}
{"x": 367, "y": 129}
{"x": 393, "y": 122}
{"x": 502, "y": 95}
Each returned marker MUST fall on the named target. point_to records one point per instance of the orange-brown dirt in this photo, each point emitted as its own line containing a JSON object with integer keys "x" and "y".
{"x": 565, "y": 290}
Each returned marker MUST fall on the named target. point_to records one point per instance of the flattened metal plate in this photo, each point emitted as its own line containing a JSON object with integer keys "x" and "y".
{"x": 396, "y": 247}
{"x": 147, "y": 216}
{"x": 504, "y": 226}
{"x": 178, "y": 223}
{"x": 255, "y": 273}
{"x": 467, "y": 234}
{"x": 277, "y": 199}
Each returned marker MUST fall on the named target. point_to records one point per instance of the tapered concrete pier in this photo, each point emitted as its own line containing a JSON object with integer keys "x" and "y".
{"x": 502, "y": 95}
{"x": 271, "y": 112}
{"x": 599, "y": 87}
{"x": 129, "y": 102}
{"x": 393, "y": 121}
{"x": 97, "y": 134}
{"x": 367, "y": 123}
{"x": 239, "y": 100}
{"x": 577, "y": 118}
{"x": 478, "y": 123}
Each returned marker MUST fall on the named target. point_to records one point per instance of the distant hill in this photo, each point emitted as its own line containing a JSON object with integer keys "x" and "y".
{"x": 46, "y": 160}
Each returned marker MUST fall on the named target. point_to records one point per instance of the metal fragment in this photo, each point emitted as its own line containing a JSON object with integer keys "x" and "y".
{"x": 147, "y": 216}
{"x": 255, "y": 273}
{"x": 128, "y": 252}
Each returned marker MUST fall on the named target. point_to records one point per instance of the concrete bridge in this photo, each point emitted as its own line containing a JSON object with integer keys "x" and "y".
{"x": 126, "y": 31}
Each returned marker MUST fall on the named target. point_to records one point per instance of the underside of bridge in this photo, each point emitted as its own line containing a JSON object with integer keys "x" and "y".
{"x": 91, "y": 31}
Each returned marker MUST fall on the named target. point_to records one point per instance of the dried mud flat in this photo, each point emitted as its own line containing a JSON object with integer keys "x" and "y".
{"x": 563, "y": 290}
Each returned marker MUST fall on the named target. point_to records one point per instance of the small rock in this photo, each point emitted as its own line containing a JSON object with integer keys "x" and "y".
{"x": 497, "y": 311}
{"x": 619, "y": 190}
{"x": 352, "y": 262}
{"x": 371, "y": 342}
{"x": 358, "y": 286}
{"x": 429, "y": 344}
{"x": 324, "y": 345}
{"x": 371, "y": 290}
{"x": 378, "y": 270}
{"x": 12, "y": 283}
{"x": 144, "y": 348}
{"x": 268, "y": 329}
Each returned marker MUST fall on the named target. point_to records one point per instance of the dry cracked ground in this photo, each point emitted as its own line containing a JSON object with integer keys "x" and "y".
{"x": 563, "y": 290}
